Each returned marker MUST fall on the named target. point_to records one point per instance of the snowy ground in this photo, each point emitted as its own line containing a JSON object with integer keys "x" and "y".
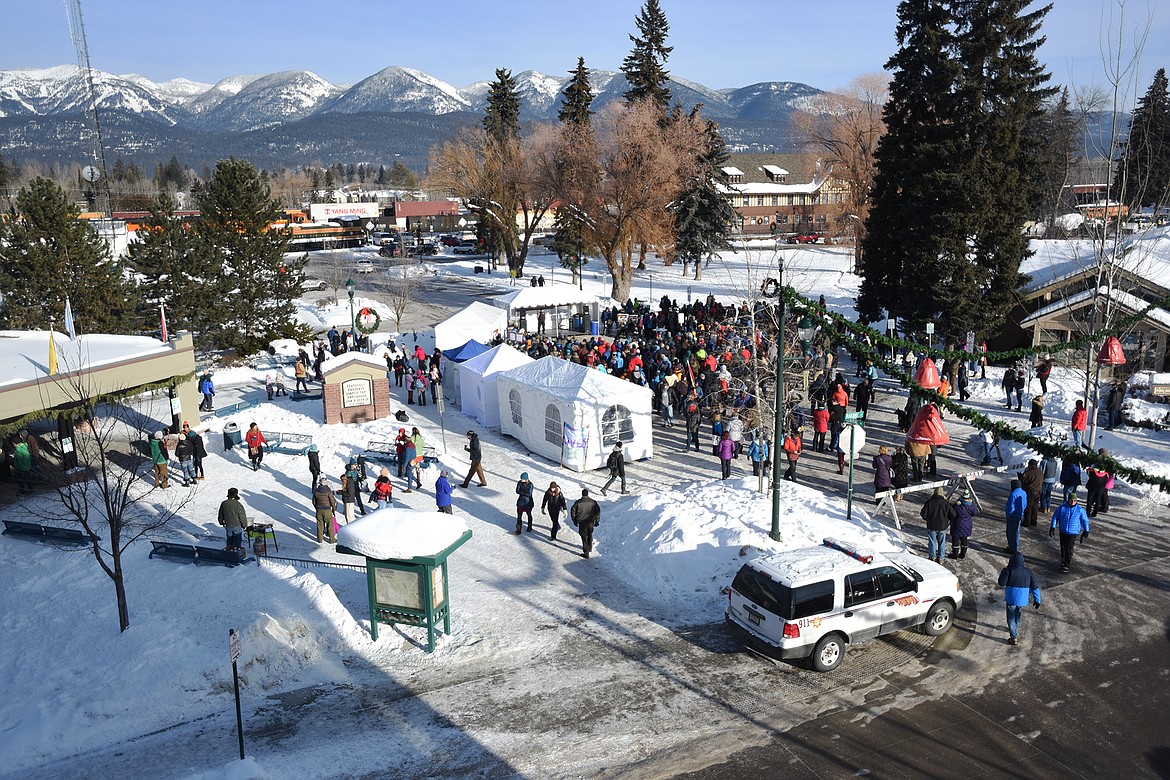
{"x": 599, "y": 660}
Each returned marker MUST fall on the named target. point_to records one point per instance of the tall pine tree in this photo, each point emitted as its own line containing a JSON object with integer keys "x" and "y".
{"x": 1143, "y": 178}
{"x": 702, "y": 213}
{"x": 48, "y": 255}
{"x": 645, "y": 66}
{"x": 254, "y": 299}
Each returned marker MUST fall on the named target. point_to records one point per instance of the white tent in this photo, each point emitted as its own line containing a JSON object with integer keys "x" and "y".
{"x": 477, "y": 382}
{"x": 478, "y": 321}
{"x": 450, "y": 366}
{"x": 537, "y": 400}
{"x": 558, "y": 301}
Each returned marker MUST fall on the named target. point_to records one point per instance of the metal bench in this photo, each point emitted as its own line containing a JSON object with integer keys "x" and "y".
{"x": 289, "y": 443}
{"x": 70, "y": 537}
{"x": 190, "y": 553}
{"x": 230, "y": 409}
{"x": 383, "y": 452}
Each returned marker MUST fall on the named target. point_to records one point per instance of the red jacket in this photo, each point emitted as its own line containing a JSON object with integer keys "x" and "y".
{"x": 1079, "y": 419}
{"x": 820, "y": 420}
{"x": 792, "y": 446}
{"x": 254, "y": 438}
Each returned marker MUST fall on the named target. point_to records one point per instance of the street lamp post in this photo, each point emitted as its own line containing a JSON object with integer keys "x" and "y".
{"x": 350, "y": 286}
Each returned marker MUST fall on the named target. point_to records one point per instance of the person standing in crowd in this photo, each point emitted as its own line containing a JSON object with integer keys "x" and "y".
{"x": 1115, "y": 403}
{"x": 863, "y": 395}
{"x": 792, "y": 447}
{"x": 758, "y": 453}
{"x": 1036, "y": 417}
{"x": 436, "y": 378}
{"x": 1017, "y": 504}
{"x": 420, "y": 448}
{"x": 586, "y": 516}
{"x": 158, "y": 456}
{"x": 409, "y": 453}
{"x": 962, "y": 381}
{"x": 1096, "y": 479}
{"x": 962, "y": 524}
{"x": 314, "y": 464}
{"x": 820, "y": 416}
{"x": 443, "y": 491}
{"x": 901, "y": 474}
{"x": 184, "y": 450}
{"x": 234, "y": 517}
{"x": 1070, "y": 476}
{"x": 207, "y": 388}
{"x": 694, "y": 421}
{"x": 420, "y": 387}
{"x": 938, "y": 513}
{"x": 1103, "y": 508}
{"x": 1080, "y": 420}
{"x": 1072, "y": 522}
{"x": 400, "y": 449}
{"x": 325, "y": 507}
{"x": 554, "y": 503}
{"x": 1019, "y": 587}
{"x": 410, "y": 390}
{"x": 725, "y": 449}
{"x": 616, "y": 463}
{"x": 255, "y": 441}
{"x": 666, "y": 404}
{"x": 524, "y": 502}
{"x": 1008, "y": 384}
{"x": 1050, "y": 469}
{"x": 399, "y": 370}
{"x": 1032, "y": 481}
{"x": 382, "y": 494}
{"x": 476, "y": 454}
{"x": 198, "y": 450}
{"x": 301, "y": 372}
{"x": 1043, "y": 371}
{"x": 349, "y": 492}
{"x": 918, "y": 452}
{"x": 735, "y": 432}
{"x": 883, "y": 470}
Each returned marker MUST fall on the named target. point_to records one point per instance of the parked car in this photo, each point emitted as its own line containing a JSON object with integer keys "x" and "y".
{"x": 426, "y": 250}
{"x": 466, "y": 248}
{"x": 815, "y": 601}
{"x": 390, "y": 250}
{"x": 449, "y": 240}
{"x": 804, "y": 238}
{"x": 364, "y": 266}
{"x": 314, "y": 284}
{"x": 383, "y": 239}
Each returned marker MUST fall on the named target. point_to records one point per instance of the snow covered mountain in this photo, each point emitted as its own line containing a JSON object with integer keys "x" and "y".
{"x": 399, "y": 89}
{"x": 269, "y": 100}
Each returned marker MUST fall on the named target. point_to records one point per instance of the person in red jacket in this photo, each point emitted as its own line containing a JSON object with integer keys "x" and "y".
{"x": 820, "y": 418}
{"x": 1080, "y": 418}
{"x": 256, "y": 442}
{"x": 792, "y": 450}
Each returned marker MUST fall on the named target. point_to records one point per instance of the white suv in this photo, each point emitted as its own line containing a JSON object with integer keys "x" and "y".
{"x": 812, "y": 602}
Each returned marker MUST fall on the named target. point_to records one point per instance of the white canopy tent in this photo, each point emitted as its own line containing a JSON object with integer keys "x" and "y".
{"x": 477, "y": 382}
{"x": 537, "y": 400}
{"x": 450, "y": 366}
{"x": 478, "y": 321}
{"x": 559, "y": 301}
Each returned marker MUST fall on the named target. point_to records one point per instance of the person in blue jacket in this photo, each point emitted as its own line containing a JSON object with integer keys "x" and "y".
{"x": 1073, "y": 523}
{"x": 443, "y": 492}
{"x": 1070, "y": 477}
{"x": 1019, "y": 587}
{"x": 1017, "y": 502}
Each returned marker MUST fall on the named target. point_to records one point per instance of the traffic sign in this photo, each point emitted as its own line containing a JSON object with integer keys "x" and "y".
{"x": 852, "y": 440}
{"x": 234, "y": 644}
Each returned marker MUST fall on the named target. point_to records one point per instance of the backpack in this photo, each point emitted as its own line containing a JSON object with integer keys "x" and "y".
{"x": 613, "y": 461}
{"x": 400, "y": 415}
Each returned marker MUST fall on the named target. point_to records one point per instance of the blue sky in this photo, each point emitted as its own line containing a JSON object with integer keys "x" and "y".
{"x": 723, "y": 44}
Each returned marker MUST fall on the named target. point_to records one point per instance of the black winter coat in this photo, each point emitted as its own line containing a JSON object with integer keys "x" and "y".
{"x": 937, "y": 512}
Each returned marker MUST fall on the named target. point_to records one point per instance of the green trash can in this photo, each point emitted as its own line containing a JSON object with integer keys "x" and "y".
{"x": 232, "y": 435}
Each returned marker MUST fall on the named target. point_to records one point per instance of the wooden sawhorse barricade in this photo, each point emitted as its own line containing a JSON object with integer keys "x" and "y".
{"x": 886, "y": 498}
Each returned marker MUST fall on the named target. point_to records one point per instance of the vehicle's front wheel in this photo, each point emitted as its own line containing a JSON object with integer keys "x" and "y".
{"x": 939, "y": 619}
{"x": 828, "y": 653}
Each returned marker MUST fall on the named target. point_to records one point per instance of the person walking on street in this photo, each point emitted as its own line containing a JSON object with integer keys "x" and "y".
{"x": 1017, "y": 504}
{"x": 314, "y": 458}
{"x": 938, "y": 513}
{"x": 198, "y": 451}
{"x": 325, "y": 507}
{"x": 616, "y": 463}
{"x": 694, "y": 421}
{"x": 1080, "y": 420}
{"x": 256, "y": 441}
{"x": 554, "y": 503}
{"x": 793, "y": 445}
{"x": 758, "y": 454}
{"x": 443, "y": 491}
{"x": 962, "y": 524}
{"x": 207, "y": 388}
{"x": 158, "y": 456}
{"x": 476, "y": 454}
{"x": 1095, "y": 481}
{"x": 1019, "y": 587}
{"x": 586, "y": 516}
{"x": 234, "y": 517}
{"x": 1032, "y": 481}
{"x": 301, "y": 372}
{"x": 1049, "y": 468}
{"x": 1070, "y": 477}
{"x": 725, "y": 449}
{"x": 1072, "y": 522}
{"x": 820, "y": 416}
{"x": 524, "y": 502}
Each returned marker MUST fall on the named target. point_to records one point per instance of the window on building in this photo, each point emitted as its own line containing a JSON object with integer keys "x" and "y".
{"x": 617, "y": 424}
{"x": 791, "y": 200}
{"x": 514, "y": 404}
{"x": 776, "y": 202}
{"x": 820, "y": 221}
{"x": 553, "y": 432}
{"x": 782, "y": 219}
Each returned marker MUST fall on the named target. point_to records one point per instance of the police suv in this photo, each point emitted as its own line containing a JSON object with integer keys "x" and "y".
{"x": 813, "y": 602}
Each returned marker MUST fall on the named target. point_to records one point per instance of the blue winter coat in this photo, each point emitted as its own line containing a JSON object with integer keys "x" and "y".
{"x": 1070, "y": 519}
{"x": 1016, "y": 502}
{"x": 443, "y": 491}
{"x": 1019, "y": 583}
{"x": 1070, "y": 474}
{"x": 963, "y": 521}
{"x": 758, "y": 451}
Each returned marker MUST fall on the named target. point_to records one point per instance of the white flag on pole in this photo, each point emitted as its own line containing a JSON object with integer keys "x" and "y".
{"x": 69, "y": 320}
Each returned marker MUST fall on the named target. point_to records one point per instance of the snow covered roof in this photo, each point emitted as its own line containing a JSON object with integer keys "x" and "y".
{"x": 402, "y": 534}
{"x": 477, "y": 321}
{"x": 344, "y": 359}
{"x": 768, "y": 188}
{"x": 563, "y": 379}
{"x": 1128, "y": 300}
{"x": 1053, "y": 261}
{"x": 731, "y": 170}
{"x": 499, "y": 358}
{"x": 544, "y": 297}
{"x": 773, "y": 170}
{"x": 24, "y": 354}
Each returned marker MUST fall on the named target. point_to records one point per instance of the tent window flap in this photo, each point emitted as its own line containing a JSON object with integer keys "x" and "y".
{"x": 553, "y": 432}
{"x": 514, "y": 405}
{"x": 616, "y": 425}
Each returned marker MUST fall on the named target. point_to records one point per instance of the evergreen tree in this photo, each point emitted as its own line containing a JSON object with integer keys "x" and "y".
{"x": 48, "y": 255}
{"x": 645, "y": 65}
{"x": 330, "y": 182}
{"x": 350, "y": 173}
{"x": 381, "y": 175}
{"x": 118, "y": 172}
{"x": 703, "y": 214}
{"x": 315, "y": 180}
{"x": 577, "y": 96}
{"x": 501, "y": 118}
{"x": 173, "y": 272}
{"x": 1143, "y": 178}
{"x": 568, "y": 241}
{"x": 254, "y": 300}
{"x": 134, "y": 174}
{"x": 1059, "y": 130}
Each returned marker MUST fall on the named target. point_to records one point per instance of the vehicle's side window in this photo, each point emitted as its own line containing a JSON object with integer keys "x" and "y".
{"x": 860, "y": 588}
{"x": 814, "y": 599}
{"x": 892, "y": 582}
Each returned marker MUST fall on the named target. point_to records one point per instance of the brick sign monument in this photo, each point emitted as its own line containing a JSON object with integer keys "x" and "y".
{"x": 356, "y": 388}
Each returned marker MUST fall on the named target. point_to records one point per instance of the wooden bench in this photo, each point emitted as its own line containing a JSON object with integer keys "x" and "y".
{"x": 71, "y": 537}
{"x": 190, "y": 553}
{"x": 289, "y": 443}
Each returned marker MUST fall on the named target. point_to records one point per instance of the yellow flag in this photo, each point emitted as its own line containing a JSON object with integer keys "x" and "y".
{"x": 52, "y": 355}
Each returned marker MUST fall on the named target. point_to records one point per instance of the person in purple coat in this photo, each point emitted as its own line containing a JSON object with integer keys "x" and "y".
{"x": 883, "y": 468}
{"x": 962, "y": 524}
{"x": 725, "y": 449}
